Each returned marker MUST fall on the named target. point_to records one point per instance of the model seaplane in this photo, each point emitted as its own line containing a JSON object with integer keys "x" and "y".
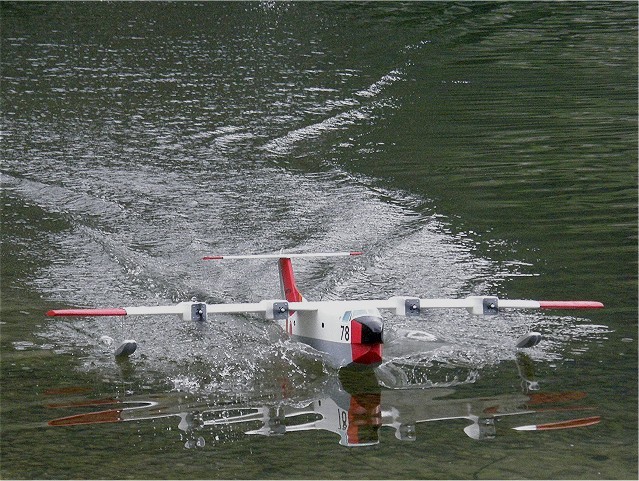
{"x": 350, "y": 332}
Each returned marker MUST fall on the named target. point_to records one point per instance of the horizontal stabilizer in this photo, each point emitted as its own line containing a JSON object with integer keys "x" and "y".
{"x": 283, "y": 255}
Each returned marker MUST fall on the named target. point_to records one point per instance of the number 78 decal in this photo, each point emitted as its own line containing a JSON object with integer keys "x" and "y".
{"x": 346, "y": 335}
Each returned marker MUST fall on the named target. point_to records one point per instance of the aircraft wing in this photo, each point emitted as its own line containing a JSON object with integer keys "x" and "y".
{"x": 478, "y": 305}
{"x": 280, "y": 309}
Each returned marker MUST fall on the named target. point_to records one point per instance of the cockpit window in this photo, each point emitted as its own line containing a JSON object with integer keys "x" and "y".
{"x": 365, "y": 312}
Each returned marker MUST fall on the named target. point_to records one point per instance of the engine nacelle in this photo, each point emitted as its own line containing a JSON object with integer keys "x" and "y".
{"x": 276, "y": 310}
{"x": 484, "y": 306}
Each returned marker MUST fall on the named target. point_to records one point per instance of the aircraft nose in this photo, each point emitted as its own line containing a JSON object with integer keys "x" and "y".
{"x": 372, "y": 329}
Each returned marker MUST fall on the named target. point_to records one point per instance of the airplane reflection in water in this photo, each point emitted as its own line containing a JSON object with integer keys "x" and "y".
{"x": 353, "y": 406}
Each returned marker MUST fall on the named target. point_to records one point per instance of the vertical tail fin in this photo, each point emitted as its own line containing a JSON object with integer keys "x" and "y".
{"x": 287, "y": 281}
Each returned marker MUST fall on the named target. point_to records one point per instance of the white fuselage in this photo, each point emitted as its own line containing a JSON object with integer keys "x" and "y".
{"x": 338, "y": 332}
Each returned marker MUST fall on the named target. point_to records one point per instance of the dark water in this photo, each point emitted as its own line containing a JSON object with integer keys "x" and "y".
{"x": 467, "y": 148}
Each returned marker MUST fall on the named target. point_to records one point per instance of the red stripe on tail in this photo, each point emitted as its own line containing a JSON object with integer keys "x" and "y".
{"x": 287, "y": 280}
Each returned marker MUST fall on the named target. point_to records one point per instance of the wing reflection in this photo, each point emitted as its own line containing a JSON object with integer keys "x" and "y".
{"x": 352, "y": 405}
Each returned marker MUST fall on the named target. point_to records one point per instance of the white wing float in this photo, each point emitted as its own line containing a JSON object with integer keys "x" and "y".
{"x": 349, "y": 331}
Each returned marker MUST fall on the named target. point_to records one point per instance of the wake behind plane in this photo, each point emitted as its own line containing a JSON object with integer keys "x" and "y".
{"x": 350, "y": 332}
